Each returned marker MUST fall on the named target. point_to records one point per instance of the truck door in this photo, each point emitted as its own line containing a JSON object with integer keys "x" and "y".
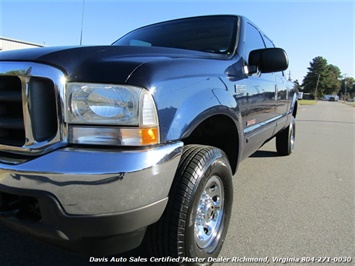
{"x": 283, "y": 101}
{"x": 281, "y": 88}
{"x": 260, "y": 89}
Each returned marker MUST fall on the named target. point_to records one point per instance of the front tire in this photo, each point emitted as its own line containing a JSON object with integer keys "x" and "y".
{"x": 196, "y": 219}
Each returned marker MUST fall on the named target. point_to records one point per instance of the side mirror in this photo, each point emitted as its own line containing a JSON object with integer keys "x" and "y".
{"x": 269, "y": 60}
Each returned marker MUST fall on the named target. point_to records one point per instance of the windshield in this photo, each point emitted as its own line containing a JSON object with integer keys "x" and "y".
{"x": 215, "y": 34}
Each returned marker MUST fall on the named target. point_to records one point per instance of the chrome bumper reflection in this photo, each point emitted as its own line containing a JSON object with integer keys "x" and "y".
{"x": 91, "y": 182}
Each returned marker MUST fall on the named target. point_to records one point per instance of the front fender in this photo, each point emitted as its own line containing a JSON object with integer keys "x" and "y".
{"x": 199, "y": 106}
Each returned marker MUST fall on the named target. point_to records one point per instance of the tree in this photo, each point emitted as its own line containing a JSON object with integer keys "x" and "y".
{"x": 322, "y": 78}
{"x": 334, "y": 80}
{"x": 349, "y": 82}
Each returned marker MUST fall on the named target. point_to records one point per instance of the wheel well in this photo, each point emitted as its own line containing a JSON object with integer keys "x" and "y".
{"x": 218, "y": 131}
{"x": 294, "y": 113}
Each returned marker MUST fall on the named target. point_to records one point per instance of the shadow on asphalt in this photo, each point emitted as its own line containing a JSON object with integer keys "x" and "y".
{"x": 264, "y": 154}
{"x": 18, "y": 250}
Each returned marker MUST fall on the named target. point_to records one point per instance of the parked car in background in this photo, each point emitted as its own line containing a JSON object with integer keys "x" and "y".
{"x": 330, "y": 98}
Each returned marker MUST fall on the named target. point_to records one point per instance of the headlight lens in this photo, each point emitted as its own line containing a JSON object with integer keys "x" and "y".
{"x": 112, "y": 102}
{"x": 102, "y": 104}
{"x": 106, "y": 114}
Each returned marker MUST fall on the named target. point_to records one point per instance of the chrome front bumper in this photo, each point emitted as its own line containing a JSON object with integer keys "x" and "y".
{"x": 98, "y": 181}
{"x": 89, "y": 201}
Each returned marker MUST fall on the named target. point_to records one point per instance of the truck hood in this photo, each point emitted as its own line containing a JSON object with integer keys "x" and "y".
{"x": 112, "y": 64}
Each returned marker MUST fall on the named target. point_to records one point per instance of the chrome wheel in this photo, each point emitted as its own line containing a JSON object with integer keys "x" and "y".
{"x": 209, "y": 214}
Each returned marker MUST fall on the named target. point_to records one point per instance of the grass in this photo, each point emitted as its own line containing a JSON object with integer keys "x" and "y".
{"x": 307, "y": 102}
{"x": 349, "y": 103}
{"x": 313, "y": 102}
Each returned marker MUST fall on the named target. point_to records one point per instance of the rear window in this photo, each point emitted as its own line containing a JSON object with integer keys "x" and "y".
{"x": 207, "y": 34}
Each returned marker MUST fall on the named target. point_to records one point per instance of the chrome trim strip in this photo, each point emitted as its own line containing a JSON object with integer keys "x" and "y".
{"x": 257, "y": 126}
{"x": 25, "y": 71}
{"x": 26, "y": 111}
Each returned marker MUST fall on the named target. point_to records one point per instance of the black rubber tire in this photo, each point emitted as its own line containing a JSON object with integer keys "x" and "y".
{"x": 285, "y": 141}
{"x": 174, "y": 234}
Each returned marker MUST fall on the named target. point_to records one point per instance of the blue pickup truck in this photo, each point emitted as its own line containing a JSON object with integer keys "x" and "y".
{"x": 103, "y": 148}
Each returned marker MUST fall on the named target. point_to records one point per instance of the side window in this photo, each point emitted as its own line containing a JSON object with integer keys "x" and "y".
{"x": 253, "y": 40}
{"x": 268, "y": 42}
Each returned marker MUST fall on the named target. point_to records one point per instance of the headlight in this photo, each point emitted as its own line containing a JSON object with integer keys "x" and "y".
{"x": 110, "y": 115}
{"x": 103, "y": 104}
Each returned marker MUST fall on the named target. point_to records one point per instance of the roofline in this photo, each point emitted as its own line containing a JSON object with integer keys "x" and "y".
{"x": 22, "y": 42}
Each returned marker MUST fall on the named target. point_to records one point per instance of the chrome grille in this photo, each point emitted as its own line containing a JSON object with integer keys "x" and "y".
{"x": 30, "y": 108}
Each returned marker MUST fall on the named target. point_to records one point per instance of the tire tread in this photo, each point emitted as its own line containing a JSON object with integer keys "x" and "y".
{"x": 171, "y": 227}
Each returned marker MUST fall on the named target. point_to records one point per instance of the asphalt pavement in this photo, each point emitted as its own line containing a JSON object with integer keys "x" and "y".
{"x": 292, "y": 210}
{"x": 300, "y": 206}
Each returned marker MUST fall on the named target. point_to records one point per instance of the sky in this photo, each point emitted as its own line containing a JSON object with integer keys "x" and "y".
{"x": 304, "y": 29}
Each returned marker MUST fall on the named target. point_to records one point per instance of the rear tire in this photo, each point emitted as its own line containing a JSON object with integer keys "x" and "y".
{"x": 196, "y": 219}
{"x": 285, "y": 141}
